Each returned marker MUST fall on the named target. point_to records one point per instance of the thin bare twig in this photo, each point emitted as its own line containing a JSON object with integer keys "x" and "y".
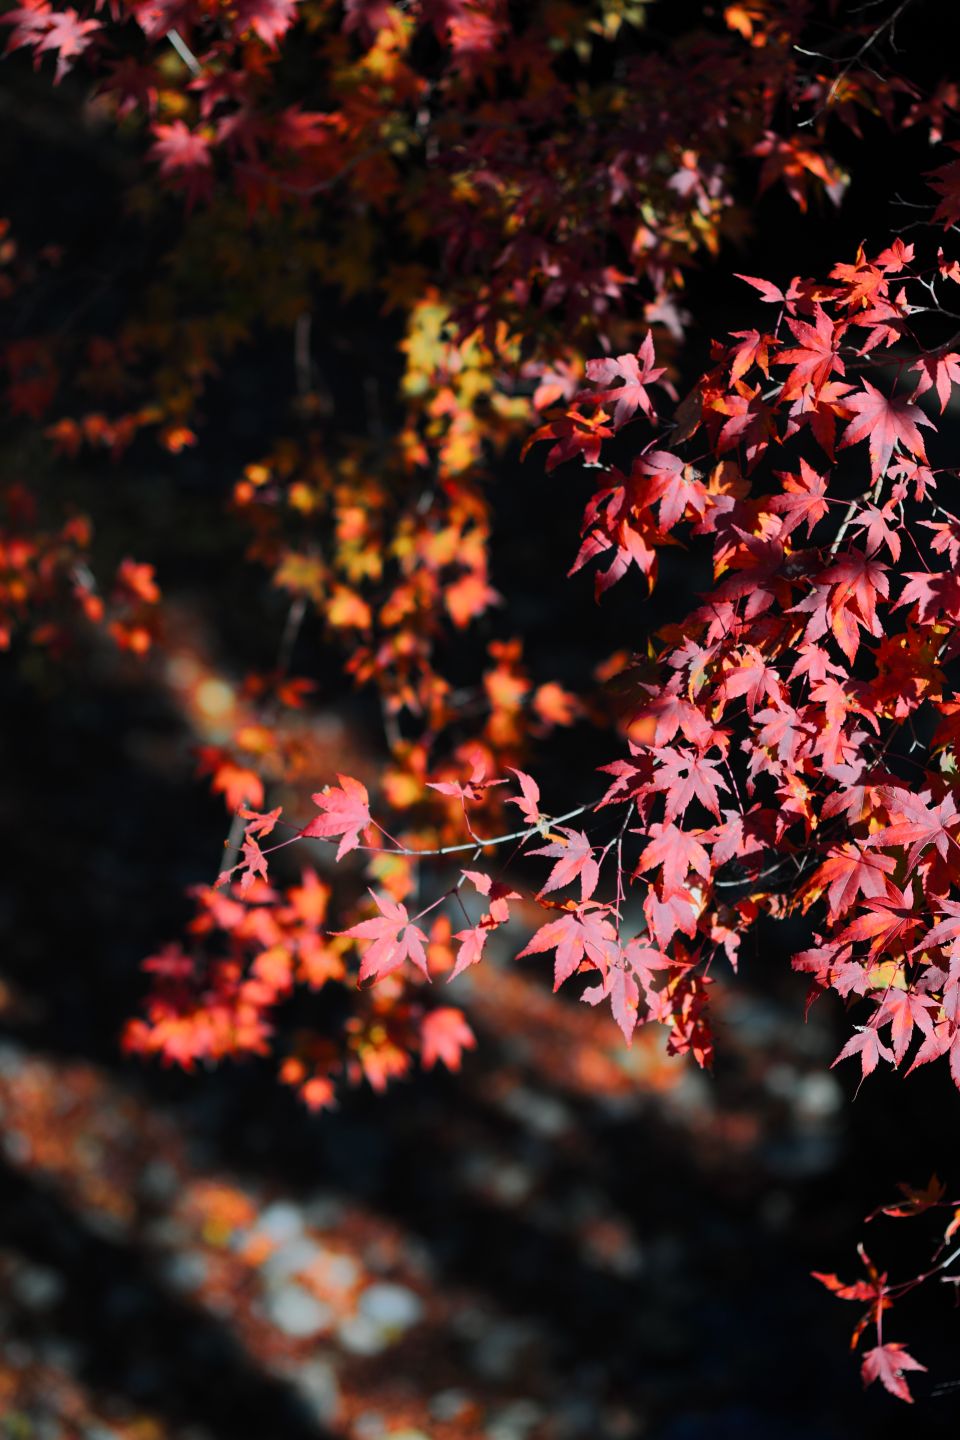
{"x": 868, "y": 44}
{"x": 479, "y": 841}
{"x": 184, "y": 51}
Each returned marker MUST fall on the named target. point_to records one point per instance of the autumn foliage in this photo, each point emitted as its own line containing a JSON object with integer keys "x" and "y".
{"x": 524, "y": 192}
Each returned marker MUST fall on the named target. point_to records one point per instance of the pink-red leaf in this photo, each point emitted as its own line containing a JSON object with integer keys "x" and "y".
{"x": 528, "y": 802}
{"x": 885, "y": 422}
{"x": 636, "y": 372}
{"x": 393, "y": 939}
{"x": 346, "y": 811}
{"x": 887, "y": 1363}
{"x": 444, "y": 1035}
{"x": 867, "y": 1044}
{"x": 574, "y": 857}
{"x": 580, "y": 935}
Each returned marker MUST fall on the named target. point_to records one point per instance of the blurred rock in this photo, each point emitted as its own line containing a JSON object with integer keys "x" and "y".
{"x": 499, "y": 1353}
{"x": 369, "y": 1426}
{"x": 280, "y": 1222}
{"x": 185, "y": 1269}
{"x": 341, "y": 1272}
{"x": 325, "y": 1211}
{"x": 36, "y": 1287}
{"x": 317, "y": 1385}
{"x": 360, "y": 1336}
{"x": 291, "y": 1258}
{"x": 393, "y": 1308}
{"x": 296, "y": 1313}
{"x": 514, "y": 1421}
{"x": 543, "y": 1114}
{"x": 449, "y": 1404}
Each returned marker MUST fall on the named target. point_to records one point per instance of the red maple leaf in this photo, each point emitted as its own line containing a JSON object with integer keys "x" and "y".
{"x": 394, "y": 938}
{"x": 529, "y": 801}
{"x": 575, "y": 434}
{"x": 914, "y": 823}
{"x": 472, "y": 942}
{"x": 904, "y": 1009}
{"x": 496, "y": 891}
{"x": 684, "y": 1006}
{"x": 856, "y": 582}
{"x": 470, "y": 789}
{"x": 847, "y": 873}
{"x": 252, "y": 865}
{"x": 887, "y": 1363}
{"x": 754, "y": 349}
{"x": 346, "y": 810}
{"x": 673, "y": 713}
{"x": 676, "y": 851}
{"x": 786, "y": 729}
{"x": 946, "y": 537}
{"x": 750, "y": 422}
{"x": 802, "y": 501}
{"x": 621, "y": 989}
{"x": 942, "y": 371}
{"x": 30, "y": 22}
{"x": 268, "y": 19}
{"x": 667, "y": 478}
{"x": 629, "y": 542}
{"x": 867, "y": 1044}
{"x": 184, "y": 155}
{"x": 69, "y": 36}
{"x": 574, "y": 856}
{"x": 915, "y": 1201}
{"x": 885, "y": 422}
{"x": 875, "y": 524}
{"x": 582, "y": 934}
{"x": 860, "y": 1290}
{"x": 644, "y": 961}
{"x": 444, "y": 1035}
{"x": 685, "y": 776}
{"x": 815, "y": 358}
{"x": 944, "y": 1039}
{"x": 669, "y": 912}
{"x": 844, "y": 599}
{"x": 946, "y": 930}
{"x": 751, "y": 677}
{"x": 888, "y": 922}
{"x": 238, "y": 785}
{"x": 260, "y": 824}
{"x": 771, "y": 295}
{"x": 636, "y": 372}
{"x": 935, "y": 593}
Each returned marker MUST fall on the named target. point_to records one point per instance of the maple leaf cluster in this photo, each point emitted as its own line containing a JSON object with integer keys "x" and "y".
{"x": 789, "y": 745}
{"x": 766, "y": 768}
{"x": 47, "y": 587}
{"x": 785, "y": 695}
{"x": 889, "y": 1361}
{"x": 479, "y": 150}
{"x": 251, "y": 949}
